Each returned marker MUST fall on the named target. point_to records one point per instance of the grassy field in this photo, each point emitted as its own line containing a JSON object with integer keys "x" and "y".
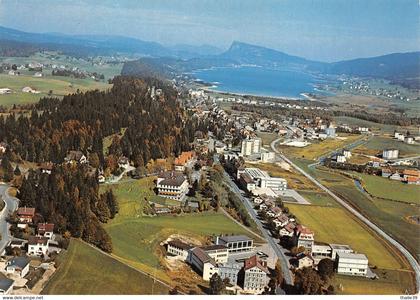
{"x": 109, "y": 70}
{"x": 335, "y": 225}
{"x": 267, "y": 137}
{"x": 390, "y": 189}
{"x": 377, "y": 144}
{"x": 389, "y": 215}
{"x": 59, "y": 85}
{"x": 375, "y": 127}
{"x": 390, "y": 283}
{"x": 136, "y": 237}
{"x": 133, "y": 195}
{"x": 86, "y": 271}
{"x": 318, "y": 198}
{"x": 319, "y": 148}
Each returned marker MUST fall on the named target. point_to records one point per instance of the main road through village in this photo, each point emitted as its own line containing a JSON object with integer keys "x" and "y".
{"x": 410, "y": 258}
{"x": 10, "y": 205}
{"x": 273, "y": 243}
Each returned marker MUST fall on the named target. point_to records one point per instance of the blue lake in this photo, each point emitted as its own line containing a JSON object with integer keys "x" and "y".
{"x": 259, "y": 81}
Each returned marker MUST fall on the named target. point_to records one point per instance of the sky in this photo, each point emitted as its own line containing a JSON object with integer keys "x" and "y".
{"x": 325, "y": 30}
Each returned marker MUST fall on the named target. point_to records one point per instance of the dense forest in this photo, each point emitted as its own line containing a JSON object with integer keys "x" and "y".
{"x": 156, "y": 127}
{"x": 69, "y": 198}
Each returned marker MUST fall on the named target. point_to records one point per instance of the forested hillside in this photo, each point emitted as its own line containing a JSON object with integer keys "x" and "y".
{"x": 157, "y": 127}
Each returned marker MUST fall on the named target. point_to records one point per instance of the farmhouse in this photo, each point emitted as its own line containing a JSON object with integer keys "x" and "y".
{"x": 304, "y": 260}
{"x": 172, "y": 185}
{"x": 18, "y": 265}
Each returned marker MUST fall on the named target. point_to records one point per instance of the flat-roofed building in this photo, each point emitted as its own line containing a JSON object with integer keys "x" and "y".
{"x": 236, "y": 243}
{"x": 219, "y": 253}
{"x": 352, "y": 264}
{"x": 320, "y": 251}
{"x": 337, "y": 248}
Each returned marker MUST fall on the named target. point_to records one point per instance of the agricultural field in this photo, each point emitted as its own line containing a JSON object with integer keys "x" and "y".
{"x": 374, "y": 127}
{"x": 389, "y": 189}
{"x": 87, "y": 271}
{"x": 377, "y": 144}
{"x": 50, "y": 57}
{"x": 335, "y": 225}
{"x": 319, "y": 148}
{"x": 389, "y": 215}
{"x": 59, "y": 85}
{"x": 390, "y": 283}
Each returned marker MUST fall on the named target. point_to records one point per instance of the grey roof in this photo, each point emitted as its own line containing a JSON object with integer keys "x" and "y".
{"x": 358, "y": 256}
{"x": 6, "y": 283}
{"x": 19, "y": 261}
{"x": 213, "y": 247}
{"x": 234, "y": 238}
{"x": 340, "y": 247}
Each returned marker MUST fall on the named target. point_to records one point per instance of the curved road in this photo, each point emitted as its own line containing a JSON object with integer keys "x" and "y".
{"x": 11, "y": 204}
{"x": 413, "y": 262}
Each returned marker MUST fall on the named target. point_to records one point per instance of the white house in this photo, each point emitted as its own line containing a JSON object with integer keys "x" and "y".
{"x": 18, "y": 265}
{"x": 37, "y": 246}
{"x": 304, "y": 261}
{"x": 46, "y": 230}
{"x": 352, "y": 264}
{"x": 274, "y": 212}
{"x": 281, "y": 221}
{"x": 255, "y": 275}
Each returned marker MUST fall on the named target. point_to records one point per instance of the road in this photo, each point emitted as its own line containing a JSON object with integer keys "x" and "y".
{"x": 413, "y": 262}
{"x": 274, "y": 243}
{"x": 11, "y": 204}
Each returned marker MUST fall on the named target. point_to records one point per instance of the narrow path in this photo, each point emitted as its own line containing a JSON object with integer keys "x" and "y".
{"x": 410, "y": 258}
{"x": 10, "y": 205}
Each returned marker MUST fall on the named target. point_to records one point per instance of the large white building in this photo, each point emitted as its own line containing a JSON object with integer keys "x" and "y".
{"x": 390, "y": 154}
{"x": 263, "y": 180}
{"x": 352, "y": 264}
{"x": 250, "y": 146}
{"x": 172, "y": 185}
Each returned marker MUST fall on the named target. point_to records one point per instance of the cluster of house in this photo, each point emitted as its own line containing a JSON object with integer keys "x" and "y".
{"x": 231, "y": 257}
{"x": 409, "y": 176}
{"x": 43, "y": 242}
{"x": 38, "y": 245}
{"x": 353, "y": 129}
{"x": 347, "y": 262}
{"x": 408, "y": 139}
{"x": 258, "y": 181}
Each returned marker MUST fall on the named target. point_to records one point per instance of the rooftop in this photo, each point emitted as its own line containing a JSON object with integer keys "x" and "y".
{"x": 180, "y": 244}
{"x": 19, "y": 261}
{"x": 234, "y": 238}
{"x": 340, "y": 247}
{"x": 352, "y": 256}
{"x": 6, "y": 283}
{"x": 33, "y": 240}
{"x": 214, "y": 247}
{"x": 26, "y": 211}
{"x": 172, "y": 178}
{"x": 203, "y": 256}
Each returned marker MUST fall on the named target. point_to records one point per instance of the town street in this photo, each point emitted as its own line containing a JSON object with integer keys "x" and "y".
{"x": 404, "y": 251}
{"x": 11, "y": 204}
{"x": 274, "y": 243}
